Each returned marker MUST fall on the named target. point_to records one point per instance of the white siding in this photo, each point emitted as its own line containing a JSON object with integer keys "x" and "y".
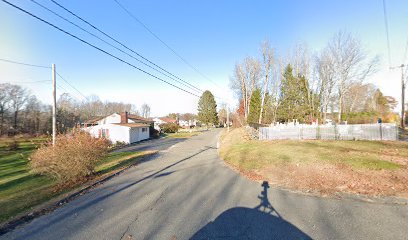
{"x": 134, "y": 135}
{"x": 114, "y": 118}
{"x": 138, "y": 134}
{"x": 157, "y": 122}
{"x": 117, "y": 133}
{"x": 144, "y": 134}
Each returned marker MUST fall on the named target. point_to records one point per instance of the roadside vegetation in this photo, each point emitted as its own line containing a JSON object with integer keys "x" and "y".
{"x": 182, "y": 134}
{"x": 21, "y": 188}
{"x": 363, "y": 167}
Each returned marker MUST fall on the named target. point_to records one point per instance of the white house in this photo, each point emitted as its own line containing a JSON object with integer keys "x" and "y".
{"x": 162, "y": 120}
{"x": 121, "y": 127}
{"x": 189, "y": 123}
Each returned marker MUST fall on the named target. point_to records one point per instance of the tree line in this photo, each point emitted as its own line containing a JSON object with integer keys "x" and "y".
{"x": 305, "y": 87}
{"x": 22, "y": 112}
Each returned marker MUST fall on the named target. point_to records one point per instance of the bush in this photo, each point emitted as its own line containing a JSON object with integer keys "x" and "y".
{"x": 169, "y": 127}
{"x": 154, "y": 133}
{"x": 73, "y": 157}
{"x": 360, "y": 117}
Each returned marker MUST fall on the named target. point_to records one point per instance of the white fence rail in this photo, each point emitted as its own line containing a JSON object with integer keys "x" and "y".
{"x": 384, "y": 131}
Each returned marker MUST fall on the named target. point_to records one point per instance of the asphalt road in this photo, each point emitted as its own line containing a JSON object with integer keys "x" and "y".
{"x": 187, "y": 192}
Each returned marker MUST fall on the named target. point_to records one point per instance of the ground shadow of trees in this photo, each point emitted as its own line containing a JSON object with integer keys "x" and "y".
{"x": 261, "y": 222}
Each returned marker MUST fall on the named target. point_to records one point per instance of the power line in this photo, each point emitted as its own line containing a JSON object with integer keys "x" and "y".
{"x": 64, "y": 90}
{"x": 76, "y": 25}
{"x": 95, "y": 47}
{"x": 25, "y": 64}
{"x": 123, "y": 45}
{"x": 387, "y": 32}
{"x": 41, "y": 66}
{"x": 72, "y": 86}
{"x": 73, "y": 93}
{"x": 164, "y": 43}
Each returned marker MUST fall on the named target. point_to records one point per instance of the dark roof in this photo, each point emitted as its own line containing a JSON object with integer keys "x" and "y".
{"x": 95, "y": 119}
{"x": 139, "y": 119}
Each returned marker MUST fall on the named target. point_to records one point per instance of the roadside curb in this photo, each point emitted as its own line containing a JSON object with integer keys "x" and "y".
{"x": 60, "y": 201}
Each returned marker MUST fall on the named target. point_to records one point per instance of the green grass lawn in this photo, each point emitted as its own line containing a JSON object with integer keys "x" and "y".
{"x": 182, "y": 134}
{"x": 20, "y": 190}
{"x": 372, "y": 155}
{"x": 367, "y": 167}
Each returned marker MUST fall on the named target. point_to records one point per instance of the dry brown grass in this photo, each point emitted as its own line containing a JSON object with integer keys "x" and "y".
{"x": 72, "y": 159}
{"x": 364, "y": 167}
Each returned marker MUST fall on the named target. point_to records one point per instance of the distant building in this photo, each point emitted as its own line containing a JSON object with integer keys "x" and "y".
{"x": 162, "y": 120}
{"x": 119, "y": 127}
{"x": 187, "y": 124}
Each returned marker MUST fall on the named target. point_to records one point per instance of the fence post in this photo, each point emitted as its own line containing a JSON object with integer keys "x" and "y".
{"x": 381, "y": 134}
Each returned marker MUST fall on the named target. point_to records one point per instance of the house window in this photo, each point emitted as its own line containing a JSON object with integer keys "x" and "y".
{"x": 144, "y": 129}
{"x": 104, "y": 133}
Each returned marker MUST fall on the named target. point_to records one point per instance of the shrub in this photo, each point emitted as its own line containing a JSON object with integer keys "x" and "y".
{"x": 116, "y": 145}
{"x": 361, "y": 117}
{"x": 169, "y": 127}
{"x": 119, "y": 144}
{"x": 73, "y": 157}
{"x": 154, "y": 133}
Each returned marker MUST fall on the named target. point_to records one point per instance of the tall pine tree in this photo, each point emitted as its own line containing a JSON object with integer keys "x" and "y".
{"x": 255, "y": 106}
{"x": 293, "y": 97}
{"x": 207, "y": 109}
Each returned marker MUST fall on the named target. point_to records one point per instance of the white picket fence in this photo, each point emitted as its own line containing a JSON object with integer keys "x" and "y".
{"x": 384, "y": 131}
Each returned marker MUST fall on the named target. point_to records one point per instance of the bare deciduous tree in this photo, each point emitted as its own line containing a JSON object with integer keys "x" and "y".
{"x": 145, "y": 110}
{"x": 268, "y": 60}
{"x": 18, "y": 97}
{"x": 351, "y": 64}
{"x": 245, "y": 80}
{"x": 4, "y": 104}
{"x": 326, "y": 74}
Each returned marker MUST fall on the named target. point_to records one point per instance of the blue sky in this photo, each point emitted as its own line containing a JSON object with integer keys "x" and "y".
{"x": 211, "y": 35}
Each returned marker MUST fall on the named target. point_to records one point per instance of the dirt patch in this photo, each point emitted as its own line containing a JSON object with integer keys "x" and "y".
{"x": 329, "y": 179}
{"x": 326, "y": 167}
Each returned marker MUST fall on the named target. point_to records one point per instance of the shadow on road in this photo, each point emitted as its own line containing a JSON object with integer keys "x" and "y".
{"x": 159, "y": 173}
{"x": 156, "y": 144}
{"x": 261, "y": 222}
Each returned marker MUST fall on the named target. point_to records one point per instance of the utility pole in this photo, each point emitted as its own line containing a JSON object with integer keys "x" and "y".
{"x": 402, "y": 94}
{"x": 54, "y": 105}
{"x": 228, "y": 123}
{"x": 402, "y": 97}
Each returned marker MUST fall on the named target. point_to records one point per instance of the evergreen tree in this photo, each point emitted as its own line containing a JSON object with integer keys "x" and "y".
{"x": 207, "y": 109}
{"x": 267, "y": 110}
{"x": 255, "y": 106}
{"x": 293, "y": 97}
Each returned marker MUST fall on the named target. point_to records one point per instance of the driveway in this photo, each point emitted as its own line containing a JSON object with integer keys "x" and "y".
{"x": 187, "y": 192}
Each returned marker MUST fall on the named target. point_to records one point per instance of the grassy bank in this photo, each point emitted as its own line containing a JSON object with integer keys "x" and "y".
{"x": 182, "y": 134}
{"x": 368, "y": 167}
{"x": 20, "y": 190}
